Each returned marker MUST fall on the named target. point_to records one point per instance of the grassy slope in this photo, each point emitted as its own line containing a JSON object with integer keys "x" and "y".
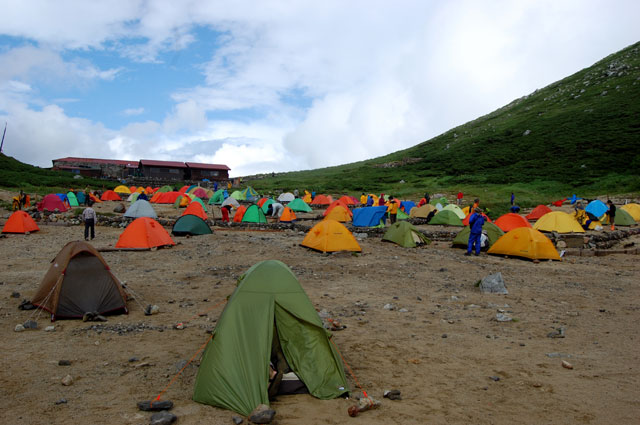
{"x": 15, "y": 174}
{"x": 581, "y": 140}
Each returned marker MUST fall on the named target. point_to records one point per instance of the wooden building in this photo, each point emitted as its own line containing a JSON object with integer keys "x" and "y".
{"x": 212, "y": 172}
{"x": 168, "y": 170}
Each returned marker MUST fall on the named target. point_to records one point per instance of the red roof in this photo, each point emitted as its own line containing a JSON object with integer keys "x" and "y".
{"x": 153, "y": 163}
{"x": 207, "y": 166}
{"x": 95, "y": 161}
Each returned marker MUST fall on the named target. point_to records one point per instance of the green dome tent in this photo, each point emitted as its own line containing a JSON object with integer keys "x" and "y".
{"x": 405, "y": 234}
{"x": 190, "y": 225}
{"x": 622, "y": 218}
{"x": 217, "y": 198}
{"x": 237, "y": 195}
{"x": 254, "y": 214}
{"x": 265, "y": 205}
{"x": 442, "y": 201}
{"x": 164, "y": 189}
{"x": 298, "y": 205}
{"x": 447, "y": 218}
{"x": 200, "y": 201}
{"x": 73, "y": 201}
{"x": 234, "y": 370}
{"x": 493, "y": 233}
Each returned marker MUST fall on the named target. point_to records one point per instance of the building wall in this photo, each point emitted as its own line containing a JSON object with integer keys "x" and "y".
{"x": 219, "y": 175}
{"x": 170, "y": 173}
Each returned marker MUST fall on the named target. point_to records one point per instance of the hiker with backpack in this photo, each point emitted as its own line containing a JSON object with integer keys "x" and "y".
{"x": 476, "y": 221}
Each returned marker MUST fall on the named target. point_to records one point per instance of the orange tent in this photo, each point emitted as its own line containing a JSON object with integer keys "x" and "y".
{"x": 287, "y": 215}
{"x": 144, "y": 232}
{"x": 511, "y": 221}
{"x": 538, "y": 212}
{"x": 237, "y": 217}
{"x": 195, "y": 208}
{"x": 347, "y": 200}
{"x": 183, "y": 189}
{"x": 20, "y": 222}
{"x": 110, "y": 195}
{"x": 94, "y": 198}
{"x": 525, "y": 242}
{"x": 322, "y": 200}
{"x": 165, "y": 197}
{"x": 150, "y": 190}
{"x": 336, "y": 204}
{"x": 339, "y": 213}
{"x": 330, "y": 236}
{"x": 132, "y": 189}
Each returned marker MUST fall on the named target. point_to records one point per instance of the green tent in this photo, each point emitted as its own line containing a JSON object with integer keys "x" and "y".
{"x": 234, "y": 370}
{"x": 493, "y": 233}
{"x": 190, "y": 225}
{"x": 265, "y": 205}
{"x": 447, "y": 218}
{"x": 622, "y": 218}
{"x": 405, "y": 234}
{"x": 254, "y": 214}
{"x": 442, "y": 201}
{"x": 402, "y": 215}
{"x": 249, "y": 193}
{"x": 133, "y": 197}
{"x": 217, "y": 198}
{"x": 298, "y": 205}
{"x": 456, "y": 209}
{"x": 73, "y": 201}
{"x": 178, "y": 200}
{"x": 237, "y": 195}
{"x": 200, "y": 201}
{"x": 165, "y": 189}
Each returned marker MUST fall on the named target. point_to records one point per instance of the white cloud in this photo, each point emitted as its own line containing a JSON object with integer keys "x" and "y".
{"x": 133, "y": 111}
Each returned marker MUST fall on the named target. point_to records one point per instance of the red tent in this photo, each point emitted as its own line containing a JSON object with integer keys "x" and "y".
{"x": 52, "y": 202}
{"x": 322, "y": 200}
{"x": 20, "y": 222}
{"x": 511, "y": 221}
{"x": 195, "y": 208}
{"x": 110, "y": 195}
{"x": 165, "y": 197}
{"x": 538, "y": 212}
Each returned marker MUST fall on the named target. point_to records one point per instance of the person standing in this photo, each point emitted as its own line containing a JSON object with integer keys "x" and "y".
{"x": 363, "y": 199}
{"x": 513, "y": 199}
{"x": 459, "y": 199}
{"x": 427, "y": 198}
{"x": 22, "y": 200}
{"x": 476, "y": 221}
{"x": 392, "y": 209}
{"x": 89, "y": 217}
{"x": 225, "y": 213}
{"x": 215, "y": 186}
{"x": 611, "y": 213}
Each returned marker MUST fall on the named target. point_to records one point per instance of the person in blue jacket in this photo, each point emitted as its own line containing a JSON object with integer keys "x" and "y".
{"x": 476, "y": 221}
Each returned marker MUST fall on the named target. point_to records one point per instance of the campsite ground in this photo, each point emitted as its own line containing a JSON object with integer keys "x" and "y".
{"x": 450, "y": 358}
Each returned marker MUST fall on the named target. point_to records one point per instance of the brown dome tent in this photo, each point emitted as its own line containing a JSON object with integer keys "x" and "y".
{"x": 79, "y": 281}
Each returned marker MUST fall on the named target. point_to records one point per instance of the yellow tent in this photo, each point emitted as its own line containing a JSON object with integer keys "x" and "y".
{"x": 558, "y": 221}
{"x": 140, "y": 189}
{"x": 375, "y": 198}
{"x": 329, "y": 236}
{"x": 633, "y": 210}
{"x": 122, "y": 189}
{"x": 338, "y": 213}
{"x": 421, "y": 212}
{"x": 307, "y": 197}
{"x": 525, "y": 242}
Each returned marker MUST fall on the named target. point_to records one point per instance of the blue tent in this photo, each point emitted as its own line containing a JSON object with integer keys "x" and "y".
{"x": 80, "y": 197}
{"x": 63, "y": 197}
{"x": 368, "y": 216}
{"x": 407, "y": 206}
{"x": 574, "y": 198}
{"x": 597, "y": 208}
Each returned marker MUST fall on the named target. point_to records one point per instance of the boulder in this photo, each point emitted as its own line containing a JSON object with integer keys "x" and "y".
{"x": 493, "y": 284}
{"x": 262, "y": 414}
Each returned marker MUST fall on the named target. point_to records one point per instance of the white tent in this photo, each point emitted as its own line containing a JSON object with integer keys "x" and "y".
{"x": 286, "y": 197}
{"x": 141, "y": 208}
{"x": 231, "y": 201}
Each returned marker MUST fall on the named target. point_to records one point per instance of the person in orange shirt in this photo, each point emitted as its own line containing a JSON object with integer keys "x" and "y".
{"x": 392, "y": 209}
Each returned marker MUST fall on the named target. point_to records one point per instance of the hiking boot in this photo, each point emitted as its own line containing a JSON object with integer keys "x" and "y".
{"x": 467, "y": 254}
{"x": 476, "y": 254}
{"x": 613, "y": 227}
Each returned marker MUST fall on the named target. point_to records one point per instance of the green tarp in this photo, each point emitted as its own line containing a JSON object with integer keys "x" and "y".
{"x": 190, "y": 225}
{"x": 234, "y": 370}
{"x": 493, "y": 233}
{"x": 254, "y": 215}
{"x": 298, "y": 205}
{"x": 405, "y": 234}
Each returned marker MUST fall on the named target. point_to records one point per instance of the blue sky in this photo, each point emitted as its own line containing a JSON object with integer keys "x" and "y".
{"x": 289, "y": 86}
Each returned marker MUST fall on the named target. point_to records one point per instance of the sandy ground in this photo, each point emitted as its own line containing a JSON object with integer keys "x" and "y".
{"x": 441, "y": 354}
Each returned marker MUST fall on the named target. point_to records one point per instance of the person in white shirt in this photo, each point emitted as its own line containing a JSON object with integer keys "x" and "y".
{"x": 89, "y": 217}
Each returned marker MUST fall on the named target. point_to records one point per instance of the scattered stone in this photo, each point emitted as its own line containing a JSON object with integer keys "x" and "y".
{"x": 64, "y": 362}
{"x": 389, "y": 307}
{"x": 503, "y": 317}
{"x": 237, "y": 420}
{"x": 179, "y": 326}
{"x": 155, "y": 405}
{"x": 151, "y": 309}
{"x": 119, "y": 208}
{"x": 163, "y": 418}
{"x": 494, "y": 378}
{"x": 61, "y": 401}
{"x": 50, "y": 328}
{"x": 557, "y": 333}
{"x": 19, "y": 328}
{"x": 392, "y": 394}
{"x": 67, "y": 380}
{"x": 493, "y": 284}
{"x": 133, "y": 359}
{"x": 526, "y": 133}
{"x": 418, "y": 298}
{"x": 262, "y": 414}
{"x": 444, "y": 335}
{"x": 558, "y": 355}
{"x": 26, "y": 305}
{"x": 536, "y": 384}
{"x": 30, "y": 324}
{"x": 567, "y": 365}
{"x": 15, "y": 295}
{"x": 403, "y": 310}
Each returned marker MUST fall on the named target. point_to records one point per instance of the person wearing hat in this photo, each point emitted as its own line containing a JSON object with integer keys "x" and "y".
{"x": 476, "y": 221}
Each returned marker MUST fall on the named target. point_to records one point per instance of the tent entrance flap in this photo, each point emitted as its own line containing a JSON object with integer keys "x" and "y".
{"x": 87, "y": 286}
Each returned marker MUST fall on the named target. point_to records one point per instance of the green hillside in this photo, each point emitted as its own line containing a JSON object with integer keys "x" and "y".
{"x": 578, "y": 134}
{"x": 15, "y": 174}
